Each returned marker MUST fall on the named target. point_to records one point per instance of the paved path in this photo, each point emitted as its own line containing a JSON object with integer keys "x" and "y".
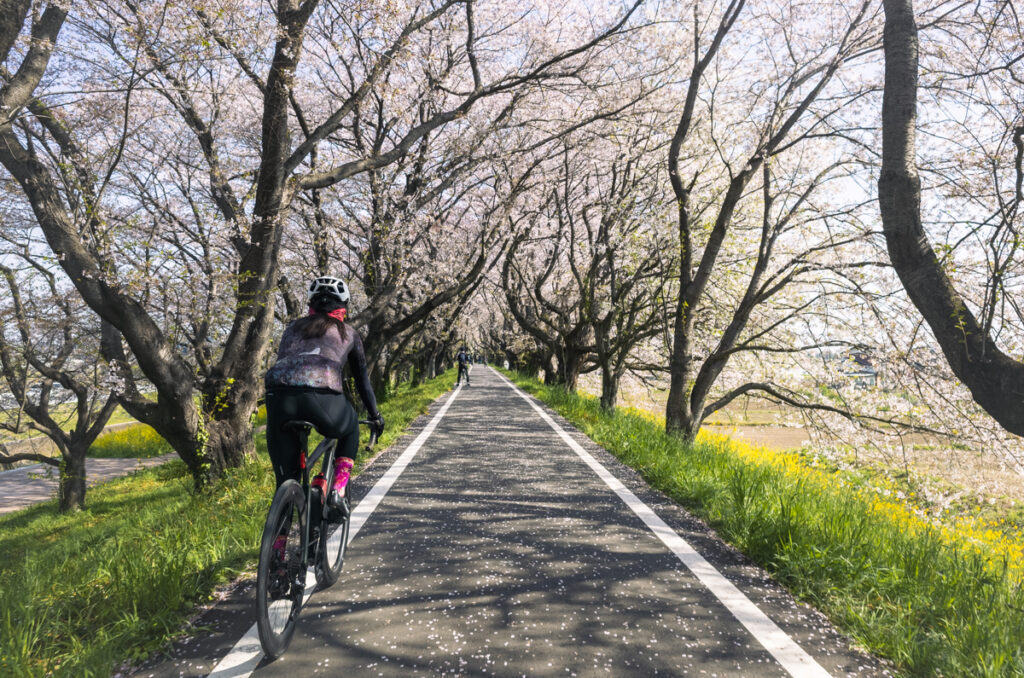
{"x": 500, "y": 551}
{"x": 29, "y": 485}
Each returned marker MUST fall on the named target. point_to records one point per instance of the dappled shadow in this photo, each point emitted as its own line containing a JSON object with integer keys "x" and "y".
{"x": 26, "y": 486}
{"x": 498, "y": 554}
{"x": 106, "y": 512}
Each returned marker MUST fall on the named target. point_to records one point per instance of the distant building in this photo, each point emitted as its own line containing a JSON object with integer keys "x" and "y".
{"x": 858, "y": 367}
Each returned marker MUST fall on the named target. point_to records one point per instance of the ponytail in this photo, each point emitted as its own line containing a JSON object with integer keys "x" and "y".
{"x": 323, "y": 312}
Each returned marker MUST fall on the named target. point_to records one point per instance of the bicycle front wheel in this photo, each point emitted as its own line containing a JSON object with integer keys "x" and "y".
{"x": 280, "y": 578}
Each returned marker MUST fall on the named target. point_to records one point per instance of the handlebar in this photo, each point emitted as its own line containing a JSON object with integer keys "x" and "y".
{"x": 374, "y": 433}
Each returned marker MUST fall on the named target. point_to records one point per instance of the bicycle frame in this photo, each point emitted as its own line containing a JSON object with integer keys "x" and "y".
{"x": 276, "y": 624}
{"x": 325, "y": 449}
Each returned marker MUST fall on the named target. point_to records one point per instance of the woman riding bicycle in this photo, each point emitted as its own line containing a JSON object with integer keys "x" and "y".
{"x": 306, "y": 384}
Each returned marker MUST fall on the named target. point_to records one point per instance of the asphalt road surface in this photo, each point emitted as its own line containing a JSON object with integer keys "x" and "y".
{"x": 507, "y": 548}
{"x": 27, "y": 485}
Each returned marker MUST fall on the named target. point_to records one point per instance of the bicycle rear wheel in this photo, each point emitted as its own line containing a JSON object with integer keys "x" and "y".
{"x": 332, "y": 549}
{"x": 280, "y": 578}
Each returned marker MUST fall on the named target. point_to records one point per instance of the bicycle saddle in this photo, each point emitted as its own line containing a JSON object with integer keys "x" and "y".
{"x": 298, "y": 425}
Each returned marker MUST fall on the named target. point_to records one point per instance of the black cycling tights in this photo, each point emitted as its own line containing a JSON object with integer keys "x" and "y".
{"x": 330, "y": 412}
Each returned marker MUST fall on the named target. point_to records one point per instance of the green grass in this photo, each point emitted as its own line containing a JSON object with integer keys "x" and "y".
{"x": 135, "y": 441}
{"x": 936, "y": 599}
{"x": 66, "y": 415}
{"x": 82, "y": 592}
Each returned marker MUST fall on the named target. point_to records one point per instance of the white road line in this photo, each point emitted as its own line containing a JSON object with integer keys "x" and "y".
{"x": 242, "y": 659}
{"x": 791, "y": 656}
{"x": 246, "y": 654}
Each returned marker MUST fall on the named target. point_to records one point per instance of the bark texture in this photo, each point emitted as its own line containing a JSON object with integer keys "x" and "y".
{"x": 995, "y": 380}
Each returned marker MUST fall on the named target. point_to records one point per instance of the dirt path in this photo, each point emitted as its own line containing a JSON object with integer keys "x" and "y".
{"x": 772, "y": 437}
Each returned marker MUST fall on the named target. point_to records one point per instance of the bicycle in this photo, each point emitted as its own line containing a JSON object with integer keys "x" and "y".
{"x": 291, "y": 541}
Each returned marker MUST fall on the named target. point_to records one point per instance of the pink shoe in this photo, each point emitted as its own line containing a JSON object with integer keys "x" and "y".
{"x": 278, "y": 545}
{"x": 342, "y": 466}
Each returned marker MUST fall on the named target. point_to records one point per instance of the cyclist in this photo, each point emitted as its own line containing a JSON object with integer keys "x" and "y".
{"x": 463, "y": 360}
{"x": 306, "y": 383}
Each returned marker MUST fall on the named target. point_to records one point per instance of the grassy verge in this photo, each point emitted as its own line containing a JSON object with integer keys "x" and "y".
{"x": 136, "y": 441}
{"x": 82, "y": 592}
{"x": 66, "y": 416}
{"x": 938, "y": 599}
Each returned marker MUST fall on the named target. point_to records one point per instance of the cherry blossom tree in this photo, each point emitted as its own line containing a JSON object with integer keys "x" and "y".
{"x": 258, "y": 125}
{"x": 50, "y": 365}
{"x": 976, "y": 330}
{"x": 586, "y": 279}
{"x": 762, "y": 92}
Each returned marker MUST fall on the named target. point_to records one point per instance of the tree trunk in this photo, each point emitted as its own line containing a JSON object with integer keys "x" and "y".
{"x": 435, "y": 361}
{"x": 422, "y": 364}
{"x": 552, "y": 376}
{"x": 419, "y": 370}
{"x": 224, "y": 439}
{"x": 569, "y": 364}
{"x": 228, "y": 444}
{"x": 678, "y": 413}
{"x": 689, "y": 430}
{"x": 609, "y": 387}
{"x": 71, "y": 486}
{"x": 680, "y": 416}
{"x": 996, "y": 380}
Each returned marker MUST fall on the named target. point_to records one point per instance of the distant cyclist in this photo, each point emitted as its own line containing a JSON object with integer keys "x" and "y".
{"x": 306, "y": 384}
{"x": 463, "y": 359}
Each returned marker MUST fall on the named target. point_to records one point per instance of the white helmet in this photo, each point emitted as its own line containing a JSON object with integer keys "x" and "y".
{"x": 334, "y": 288}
